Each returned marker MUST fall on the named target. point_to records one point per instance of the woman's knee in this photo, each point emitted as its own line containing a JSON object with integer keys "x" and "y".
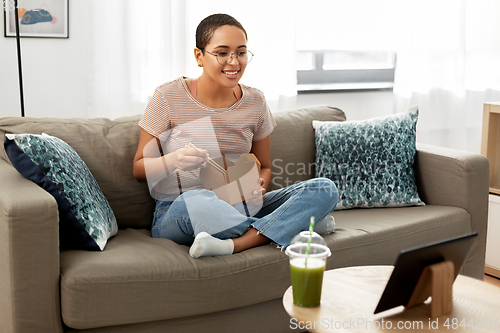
{"x": 198, "y": 202}
{"x": 323, "y": 184}
{"x": 326, "y": 188}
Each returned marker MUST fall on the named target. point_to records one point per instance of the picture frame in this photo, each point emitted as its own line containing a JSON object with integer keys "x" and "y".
{"x": 37, "y": 18}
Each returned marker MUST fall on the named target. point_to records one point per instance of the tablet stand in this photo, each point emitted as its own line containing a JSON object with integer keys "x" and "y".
{"x": 437, "y": 281}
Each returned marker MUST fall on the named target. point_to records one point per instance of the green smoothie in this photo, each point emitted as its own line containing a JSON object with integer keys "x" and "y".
{"x": 307, "y": 281}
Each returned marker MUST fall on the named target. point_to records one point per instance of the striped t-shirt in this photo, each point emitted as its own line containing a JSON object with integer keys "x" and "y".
{"x": 175, "y": 117}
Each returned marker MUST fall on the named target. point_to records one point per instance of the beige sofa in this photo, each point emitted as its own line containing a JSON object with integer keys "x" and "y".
{"x": 141, "y": 284}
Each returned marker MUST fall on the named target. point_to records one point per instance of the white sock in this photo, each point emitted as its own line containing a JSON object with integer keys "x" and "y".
{"x": 325, "y": 226}
{"x": 205, "y": 245}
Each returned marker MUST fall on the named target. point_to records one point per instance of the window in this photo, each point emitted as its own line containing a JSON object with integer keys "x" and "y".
{"x": 346, "y": 45}
{"x": 325, "y": 71}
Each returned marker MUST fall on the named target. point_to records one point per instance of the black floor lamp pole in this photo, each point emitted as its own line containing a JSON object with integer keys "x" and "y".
{"x": 19, "y": 58}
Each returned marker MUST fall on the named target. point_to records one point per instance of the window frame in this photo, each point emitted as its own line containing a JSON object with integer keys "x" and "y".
{"x": 319, "y": 80}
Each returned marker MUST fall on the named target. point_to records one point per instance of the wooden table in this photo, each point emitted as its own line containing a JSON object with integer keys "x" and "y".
{"x": 350, "y": 295}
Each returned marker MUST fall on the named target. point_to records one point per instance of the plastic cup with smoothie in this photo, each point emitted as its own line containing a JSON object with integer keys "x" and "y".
{"x": 307, "y": 267}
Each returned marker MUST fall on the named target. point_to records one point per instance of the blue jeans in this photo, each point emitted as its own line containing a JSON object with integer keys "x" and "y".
{"x": 284, "y": 213}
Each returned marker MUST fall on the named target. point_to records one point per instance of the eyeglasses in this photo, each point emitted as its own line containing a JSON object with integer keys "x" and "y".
{"x": 225, "y": 57}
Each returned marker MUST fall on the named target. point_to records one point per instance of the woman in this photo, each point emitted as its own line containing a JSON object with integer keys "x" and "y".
{"x": 237, "y": 118}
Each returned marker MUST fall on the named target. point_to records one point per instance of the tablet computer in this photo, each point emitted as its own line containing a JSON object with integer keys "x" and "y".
{"x": 411, "y": 262}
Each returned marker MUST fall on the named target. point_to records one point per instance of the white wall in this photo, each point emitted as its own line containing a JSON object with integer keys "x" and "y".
{"x": 54, "y": 80}
{"x": 356, "y": 105}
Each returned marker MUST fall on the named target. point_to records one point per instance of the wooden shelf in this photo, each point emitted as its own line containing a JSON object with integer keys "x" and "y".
{"x": 490, "y": 143}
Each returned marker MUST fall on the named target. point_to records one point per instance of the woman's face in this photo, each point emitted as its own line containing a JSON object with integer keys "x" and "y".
{"x": 226, "y": 38}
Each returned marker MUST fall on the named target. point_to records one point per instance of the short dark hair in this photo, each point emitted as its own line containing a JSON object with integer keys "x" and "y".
{"x": 209, "y": 24}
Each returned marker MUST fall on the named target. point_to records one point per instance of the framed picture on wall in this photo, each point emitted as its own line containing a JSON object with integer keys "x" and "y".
{"x": 37, "y": 18}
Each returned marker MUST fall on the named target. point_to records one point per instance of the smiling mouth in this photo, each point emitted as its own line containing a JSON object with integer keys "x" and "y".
{"x": 230, "y": 72}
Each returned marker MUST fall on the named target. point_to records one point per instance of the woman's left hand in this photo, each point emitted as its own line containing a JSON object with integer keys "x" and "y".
{"x": 257, "y": 199}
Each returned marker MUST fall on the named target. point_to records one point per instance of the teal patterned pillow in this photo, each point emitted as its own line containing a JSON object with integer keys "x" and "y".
{"x": 86, "y": 220}
{"x": 370, "y": 161}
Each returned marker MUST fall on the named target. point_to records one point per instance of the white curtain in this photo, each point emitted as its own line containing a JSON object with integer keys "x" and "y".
{"x": 449, "y": 65}
{"x": 133, "y": 47}
{"x": 136, "y": 45}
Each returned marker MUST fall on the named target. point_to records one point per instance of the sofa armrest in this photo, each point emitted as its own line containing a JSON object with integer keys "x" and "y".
{"x": 29, "y": 256}
{"x": 457, "y": 178}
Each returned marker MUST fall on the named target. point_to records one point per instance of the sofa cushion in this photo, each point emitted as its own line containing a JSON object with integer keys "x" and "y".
{"x": 138, "y": 279}
{"x": 108, "y": 148}
{"x": 292, "y": 148}
{"x": 370, "y": 161}
{"x": 376, "y": 236}
{"x": 86, "y": 220}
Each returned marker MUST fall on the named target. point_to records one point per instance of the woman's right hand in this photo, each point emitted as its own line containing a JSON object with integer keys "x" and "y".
{"x": 148, "y": 156}
{"x": 188, "y": 158}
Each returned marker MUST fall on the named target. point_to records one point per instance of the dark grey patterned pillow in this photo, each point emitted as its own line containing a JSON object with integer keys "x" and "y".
{"x": 370, "y": 161}
{"x": 86, "y": 220}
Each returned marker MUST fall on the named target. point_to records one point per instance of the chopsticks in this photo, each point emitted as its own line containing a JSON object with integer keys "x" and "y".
{"x": 209, "y": 160}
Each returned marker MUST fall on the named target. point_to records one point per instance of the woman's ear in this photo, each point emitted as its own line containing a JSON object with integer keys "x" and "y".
{"x": 198, "y": 55}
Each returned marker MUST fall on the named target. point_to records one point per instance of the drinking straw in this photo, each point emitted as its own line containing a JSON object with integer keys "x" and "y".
{"x": 308, "y": 248}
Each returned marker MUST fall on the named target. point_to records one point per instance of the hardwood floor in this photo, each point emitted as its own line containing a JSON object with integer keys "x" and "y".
{"x": 492, "y": 280}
